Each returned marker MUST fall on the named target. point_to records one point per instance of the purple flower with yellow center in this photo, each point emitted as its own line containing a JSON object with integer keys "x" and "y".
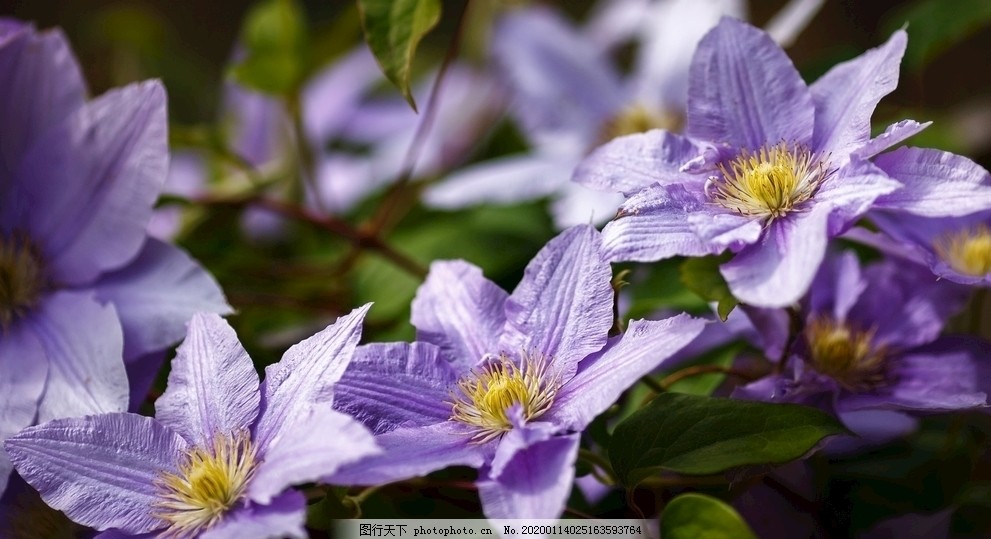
{"x": 569, "y": 97}
{"x": 941, "y": 219}
{"x": 218, "y": 459}
{"x": 88, "y": 303}
{"x": 769, "y": 168}
{"x": 870, "y": 340}
{"x": 503, "y": 382}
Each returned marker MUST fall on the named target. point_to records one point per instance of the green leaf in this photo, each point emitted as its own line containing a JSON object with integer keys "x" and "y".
{"x": 659, "y": 287}
{"x": 934, "y": 29}
{"x": 393, "y": 29}
{"x": 691, "y": 434}
{"x": 275, "y": 41}
{"x": 701, "y": 275}
{"x": 697, "y": 516}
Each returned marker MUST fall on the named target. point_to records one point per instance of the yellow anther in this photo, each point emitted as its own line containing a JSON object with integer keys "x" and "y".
{"x": 846, "y": 354}
{"x": 769, "y": 183}
{"x": 486, "y": 396}
{"x": 209, "y": 483}
{"x": 22, "y": 278}
{"x": 967, "y": 251}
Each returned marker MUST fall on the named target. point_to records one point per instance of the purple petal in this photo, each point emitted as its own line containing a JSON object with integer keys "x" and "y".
{"x": 396, "y": 384}
{"x": 519, "y": 438}
{"x": 664, "y": 221}
{"x": 259, "y": 125}
{"x": 213, "y": 386}
{"x": 562, "y": 307}
{"x": 42, "y": 85}
{"x": 895, "y": 133}
{"x": 778, "y": 270}
{"x": 603, "y": 377}
{"x": 837, "y": 286}
{"x": 314, "y": 446}
{"x": 460, "y": 311}
{"x": 561, "y": 82}
{"x": 83, "y": 342}
{"x": 284, "y": 517}
{"x": 669, "y": 33}
{"x": 141, "y": 374}
{"x": 852, "y": 191}
{"x": 504, "y": 180}
{"x": 744, "y": 91}
{"x": 100, "y": 470}
{"x": 612, "y": 23}
{"x": 925, "y": 303}
{"x": 936, "y": 183}
{"x": 331, "y": 99}
{"x": 791, "y": 19}
{"x": 949, "y": 374}
{"x": 578, "y": 205}
{"x": 23, "y": 369}
{"x": 535, "y": 484}
{"x": 414, "y": 452}
{"x": 631, "y": 163}
{"x": 156, "y": 294}
{"x": 845, "y": 97}
{"x": 773, "y": 329}
{"x": 306, "y": 376}
{"x": 93, "y": 179}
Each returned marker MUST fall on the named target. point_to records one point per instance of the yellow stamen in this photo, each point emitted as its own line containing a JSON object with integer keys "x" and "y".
{"x": 21, "y": 277}
{"x": 769, "y": 183}
{"x": 208, "y": 484}
{"x": 967, "y": 251}
{"x": 637, "y": 118}
{"x": 488, "y": 394}
{"x": 845, "y": 354}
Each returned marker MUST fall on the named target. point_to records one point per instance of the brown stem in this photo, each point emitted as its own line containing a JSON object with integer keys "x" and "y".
{"x": 696, "y": 370}
{"x": 385, "y": 212}
{"x": 359, "y": 239}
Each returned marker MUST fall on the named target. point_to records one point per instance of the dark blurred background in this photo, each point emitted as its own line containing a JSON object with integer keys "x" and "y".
{"x": 187, "y": 44}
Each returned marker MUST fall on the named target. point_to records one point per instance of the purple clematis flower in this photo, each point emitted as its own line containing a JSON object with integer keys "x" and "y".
{"x": 856, "y": 354}
{"x": 87, "y": 300}
{"x": 503, "y": 382}
{"x": 941, "y": 219}
{"x": 219, "y": 457}
{"x": 568, "y": 96}
{"x": 769, "y": 168}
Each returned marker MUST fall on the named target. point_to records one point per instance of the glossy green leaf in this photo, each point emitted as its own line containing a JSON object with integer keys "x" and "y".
{"x": 275, "y": 42}
{"x": 393, "y": 29}
{"x": 697, "y": 516}
{"x": 703, "y": 435}
{"x": 701, "y": 275}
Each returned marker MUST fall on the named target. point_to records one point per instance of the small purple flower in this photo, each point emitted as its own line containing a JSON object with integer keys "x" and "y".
{"x": 871, "y": 341}
{"x": 88, "y": 303}
{"x": 770, "y": 168}
{"x": 504, "y": 382}
{"x": 220, "y": 456}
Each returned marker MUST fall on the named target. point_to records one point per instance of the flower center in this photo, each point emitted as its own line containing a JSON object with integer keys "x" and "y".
{"x": 487, "y": 395}
{"x": 845, "y": 354}
{"x": 769, "y": 183}
{"x": 637, "y": 118}
{"x": 21, "y": 277}
{"x": 967, "y": 251}
{"x": 208, "y": 484}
